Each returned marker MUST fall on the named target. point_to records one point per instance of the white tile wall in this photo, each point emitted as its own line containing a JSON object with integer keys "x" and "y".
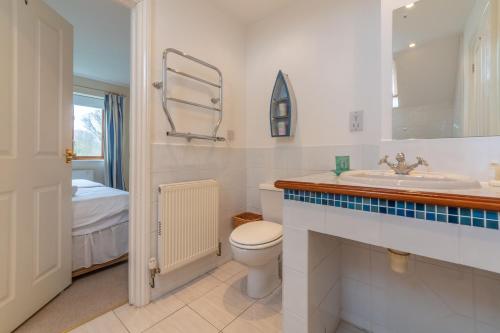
{"x": 177, "y": 163}
{"x": 304, "y": 216}
{"x": 404, "y": 234}
{"x": 353, "y": 278}
{"x": 356, "y": 225}
{"x": 452, "y": 243}
{"x": 311, "y": 272}
{"x": 295, "y": 291}
{"x": 468, "y": 156}
{"x": 474, "y": 244}
{"x": 270, "y": 164}
{"x": 433, "y": 296}
{"x": 294, "y": 256}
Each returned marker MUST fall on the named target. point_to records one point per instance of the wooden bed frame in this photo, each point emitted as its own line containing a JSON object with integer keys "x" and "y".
{"x": 82, "y": 271}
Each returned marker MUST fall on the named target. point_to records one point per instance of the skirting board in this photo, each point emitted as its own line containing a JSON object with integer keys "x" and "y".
{"x": 93, "y": 268}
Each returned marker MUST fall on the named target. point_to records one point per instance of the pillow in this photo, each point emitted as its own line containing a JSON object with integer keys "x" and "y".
{"x": 85, "y": 183}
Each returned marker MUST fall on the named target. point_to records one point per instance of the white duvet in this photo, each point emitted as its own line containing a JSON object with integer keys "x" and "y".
{"x": 96, "y": 207}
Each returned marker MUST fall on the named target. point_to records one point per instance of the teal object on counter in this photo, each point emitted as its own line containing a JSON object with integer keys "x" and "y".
{"x": 342, "y": 164}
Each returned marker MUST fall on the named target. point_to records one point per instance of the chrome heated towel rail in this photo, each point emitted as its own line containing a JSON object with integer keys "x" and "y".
{"x": 217, "y": 102}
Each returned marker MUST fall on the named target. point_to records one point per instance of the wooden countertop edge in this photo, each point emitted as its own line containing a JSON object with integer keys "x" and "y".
{"x": 434, "y": 198}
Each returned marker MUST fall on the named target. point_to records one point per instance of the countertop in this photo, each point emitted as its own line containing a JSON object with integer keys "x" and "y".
{"x": 486, "y": 197}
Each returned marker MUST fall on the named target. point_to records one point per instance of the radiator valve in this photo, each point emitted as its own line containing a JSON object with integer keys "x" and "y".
{"x": 153, "y": 270}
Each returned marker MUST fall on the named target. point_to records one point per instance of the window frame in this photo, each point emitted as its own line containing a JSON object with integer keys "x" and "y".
{"x": 88, "y": 158}
{"x": 395, "y": 90}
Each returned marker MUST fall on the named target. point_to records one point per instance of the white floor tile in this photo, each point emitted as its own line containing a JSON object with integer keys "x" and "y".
{"x": 483, "y": 328}
{"x": 487, "y": 296}
{"x": 183, "y": 321}
{"x": 227, "y": 270}
{"x": 139, "y": 319}
{"x": 259, "y": 318}
{"x": 348, "y": 328}
{"x": 275, "y": 300}
{"x": 239, "y": 281}
{"x": 107, "y": 323}
{"x": 197, "y": 288}
{"x": 222, "y": 305}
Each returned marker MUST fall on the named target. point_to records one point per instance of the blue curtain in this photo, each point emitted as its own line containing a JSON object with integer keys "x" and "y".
{"x": 113, "y": 152}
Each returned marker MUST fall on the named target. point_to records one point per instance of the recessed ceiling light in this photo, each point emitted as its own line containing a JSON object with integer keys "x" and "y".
{"x": 411, "y": 5}
{"x": 412, "y": 45}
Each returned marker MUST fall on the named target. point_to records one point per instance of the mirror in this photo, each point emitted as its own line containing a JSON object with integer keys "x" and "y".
{"x": 445, "y": 69}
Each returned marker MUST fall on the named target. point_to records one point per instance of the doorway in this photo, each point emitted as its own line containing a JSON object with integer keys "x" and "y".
{"x": 99, "y": 166}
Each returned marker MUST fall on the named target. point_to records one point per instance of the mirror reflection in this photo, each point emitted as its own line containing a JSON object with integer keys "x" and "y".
{"x": 445, "y": 69}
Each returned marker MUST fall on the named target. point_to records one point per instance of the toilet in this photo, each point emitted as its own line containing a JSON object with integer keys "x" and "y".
{"x": 257, "y": 245}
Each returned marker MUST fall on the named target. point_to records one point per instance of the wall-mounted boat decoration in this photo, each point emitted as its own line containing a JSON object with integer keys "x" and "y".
{"x": 283, "y": 111}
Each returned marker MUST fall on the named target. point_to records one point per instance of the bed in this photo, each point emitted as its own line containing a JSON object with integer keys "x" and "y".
{"x": 100, "y": 226}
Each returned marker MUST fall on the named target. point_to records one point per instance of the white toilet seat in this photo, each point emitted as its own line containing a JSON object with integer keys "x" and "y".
{"x": 256, "y": 247}
{"x": 257, "y": 235}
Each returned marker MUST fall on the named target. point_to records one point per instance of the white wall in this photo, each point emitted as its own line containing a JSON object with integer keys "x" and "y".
{"x": 336, "y": 65}
{"x": 385, "y": 90}
{"x": 333, "y": 64}
{"x": 427, "y": 80}
{"x": 427, "y": 74}
{"x": 101, "y": 38}
{"x": 200, "y": 29}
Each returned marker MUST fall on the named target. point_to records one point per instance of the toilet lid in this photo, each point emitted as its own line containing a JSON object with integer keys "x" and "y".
{"x": 257, "y": 233}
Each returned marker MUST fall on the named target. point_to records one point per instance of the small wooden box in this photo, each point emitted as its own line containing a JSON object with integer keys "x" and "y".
{"x": 245, "y": 218}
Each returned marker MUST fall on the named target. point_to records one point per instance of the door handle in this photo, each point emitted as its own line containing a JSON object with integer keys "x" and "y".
{"x": 70, "y": 155}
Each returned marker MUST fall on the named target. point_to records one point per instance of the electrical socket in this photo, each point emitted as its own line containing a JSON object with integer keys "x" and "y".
{"x": 356, "y": 121}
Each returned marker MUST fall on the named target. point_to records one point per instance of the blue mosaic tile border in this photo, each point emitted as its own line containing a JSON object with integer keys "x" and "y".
{"x": 433, "y": 213}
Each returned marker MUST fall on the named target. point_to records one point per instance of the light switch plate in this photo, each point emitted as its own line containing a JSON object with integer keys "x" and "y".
{"x": 356, "y": 121}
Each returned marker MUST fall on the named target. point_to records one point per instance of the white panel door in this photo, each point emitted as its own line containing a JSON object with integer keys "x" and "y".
{"x": 36, "y": 64}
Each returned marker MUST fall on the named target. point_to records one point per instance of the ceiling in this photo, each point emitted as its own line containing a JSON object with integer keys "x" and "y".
{"x": 252, "y": 11}
{"x": 429, "y": 20}
{"x": 101, "y": 38}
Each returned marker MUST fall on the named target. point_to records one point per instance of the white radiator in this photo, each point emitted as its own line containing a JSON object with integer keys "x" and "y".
{"x": 188, "y": 227}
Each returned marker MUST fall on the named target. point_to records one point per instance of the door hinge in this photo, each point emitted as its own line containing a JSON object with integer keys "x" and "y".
{"x": 473, "y": 68}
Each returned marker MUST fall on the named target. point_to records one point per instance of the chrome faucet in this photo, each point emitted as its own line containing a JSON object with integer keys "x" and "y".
{"x": 400, "y": 167}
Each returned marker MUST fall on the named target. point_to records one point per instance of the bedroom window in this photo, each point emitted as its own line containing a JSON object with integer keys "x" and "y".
{"x": 88, "y": 125}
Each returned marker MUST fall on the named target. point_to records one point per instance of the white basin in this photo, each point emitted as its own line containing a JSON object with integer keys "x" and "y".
{"x": 419, "y": 180}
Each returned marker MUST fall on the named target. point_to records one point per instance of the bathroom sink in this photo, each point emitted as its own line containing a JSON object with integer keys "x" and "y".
{"x": 420, "y": 180}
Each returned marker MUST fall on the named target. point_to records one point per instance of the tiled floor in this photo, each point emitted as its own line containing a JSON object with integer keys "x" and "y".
{"x": 348, "y": 328}
{"x": 215, "y": 302}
